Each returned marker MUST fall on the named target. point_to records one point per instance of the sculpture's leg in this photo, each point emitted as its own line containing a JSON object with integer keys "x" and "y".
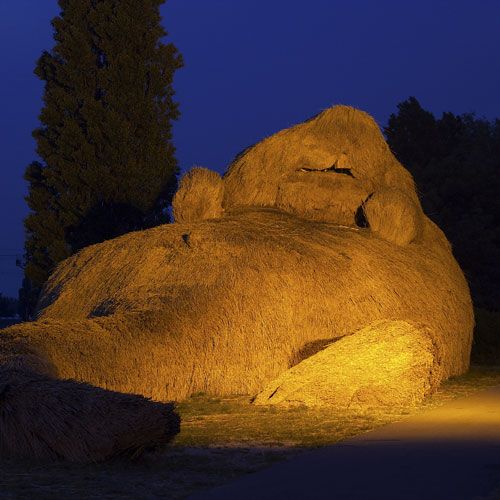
{"x": 386, "y": 363}
{"x": 43, "y": 418}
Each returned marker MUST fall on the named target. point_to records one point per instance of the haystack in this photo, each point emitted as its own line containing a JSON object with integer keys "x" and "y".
{"x": 312, "y": 235}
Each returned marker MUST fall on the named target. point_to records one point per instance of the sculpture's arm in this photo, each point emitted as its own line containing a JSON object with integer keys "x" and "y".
{"x": 382, "y": 364}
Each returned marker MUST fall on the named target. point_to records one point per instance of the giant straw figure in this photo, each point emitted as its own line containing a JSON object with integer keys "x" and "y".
{"x": 308, "y": 274}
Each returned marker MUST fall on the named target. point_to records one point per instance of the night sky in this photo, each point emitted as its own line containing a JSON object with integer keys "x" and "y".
{"x": 253, "y": 67}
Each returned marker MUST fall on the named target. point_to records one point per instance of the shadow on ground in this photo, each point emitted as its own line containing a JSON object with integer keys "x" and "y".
{"x": 172, "y": 474}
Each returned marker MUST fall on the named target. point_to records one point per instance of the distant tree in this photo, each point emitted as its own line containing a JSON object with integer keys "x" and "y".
{"x": 108, "y": 164}
{"x": 27, "y": 300}
{"x": 8, "y": 306}
{"x": 412, "y": 134}
{"x": 455, "y": 161}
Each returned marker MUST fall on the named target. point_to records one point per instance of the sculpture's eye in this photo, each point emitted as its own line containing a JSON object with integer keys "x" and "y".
{"x": 334, "y": 168}
{"x": 360, "y": 217}
{"x": 345, "y": 171}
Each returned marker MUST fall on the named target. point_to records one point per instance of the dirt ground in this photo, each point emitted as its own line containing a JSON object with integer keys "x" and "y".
{"x": 220, "y": 439}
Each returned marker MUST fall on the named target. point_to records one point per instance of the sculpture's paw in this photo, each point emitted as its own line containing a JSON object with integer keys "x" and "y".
{"x": 393, "y": 216}
{"x": 42, "y": 418}
{"x": 387, "y": 363}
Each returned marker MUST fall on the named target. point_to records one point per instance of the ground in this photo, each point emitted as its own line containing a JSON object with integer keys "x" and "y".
{"x": 220, "y": 440}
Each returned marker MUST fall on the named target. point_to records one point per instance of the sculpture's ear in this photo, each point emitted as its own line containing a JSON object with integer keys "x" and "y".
{"x": 199, "y": 196}
{"x": 394, "y": 216}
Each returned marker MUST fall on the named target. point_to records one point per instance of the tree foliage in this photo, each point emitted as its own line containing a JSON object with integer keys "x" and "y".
{"x": 107, "y": 161}
{"x": 455, "y": 160}
{"x": 8, "y": 306}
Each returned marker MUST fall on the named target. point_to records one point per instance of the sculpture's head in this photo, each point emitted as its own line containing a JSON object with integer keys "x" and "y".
{"x": 335, "y": 167}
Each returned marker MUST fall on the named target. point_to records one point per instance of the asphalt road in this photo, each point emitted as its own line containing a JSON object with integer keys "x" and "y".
{"x": 452, "y": 452}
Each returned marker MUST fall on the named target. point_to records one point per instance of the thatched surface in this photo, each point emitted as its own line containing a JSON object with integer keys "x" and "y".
{"x": 21, "y": 354}
{"x": 46, "y": 419}
{"x": 274, "y": 272}
{"x": 392, "y": 215}
{"x": 386, "y": 363}
{"x": 231, "y": 310}
{"x": 322, "y": 169}
{"x": 199, "y": 196}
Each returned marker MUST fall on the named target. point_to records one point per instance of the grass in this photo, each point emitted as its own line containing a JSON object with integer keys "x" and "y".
{"x": 221, "y": 438}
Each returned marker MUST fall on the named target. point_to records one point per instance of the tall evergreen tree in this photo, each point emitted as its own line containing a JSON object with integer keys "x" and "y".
{"x": 108, "y": 164}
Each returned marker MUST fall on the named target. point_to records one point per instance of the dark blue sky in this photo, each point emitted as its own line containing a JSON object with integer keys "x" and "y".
{"x": 253, "y": 67}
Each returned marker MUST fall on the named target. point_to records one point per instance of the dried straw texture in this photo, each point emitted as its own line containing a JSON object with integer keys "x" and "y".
{"x": 392, "y": 215}
{"x": 199, "y": 196}
{"x": 46, "y": 419}
{"x": 322, "y": 169}
{"x": 386, "y": 363}
{"x": 225, "y": 305}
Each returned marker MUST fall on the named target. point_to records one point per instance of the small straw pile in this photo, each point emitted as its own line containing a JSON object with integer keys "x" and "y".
{"x": 46, "y": 419}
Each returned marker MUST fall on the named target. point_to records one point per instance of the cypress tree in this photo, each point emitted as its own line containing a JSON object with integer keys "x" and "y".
{"x": 108, "y": 164}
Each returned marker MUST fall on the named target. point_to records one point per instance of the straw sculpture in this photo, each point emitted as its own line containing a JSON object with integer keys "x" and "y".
{"x": 42, "y": 418}
{"x": 309, "y": 264}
